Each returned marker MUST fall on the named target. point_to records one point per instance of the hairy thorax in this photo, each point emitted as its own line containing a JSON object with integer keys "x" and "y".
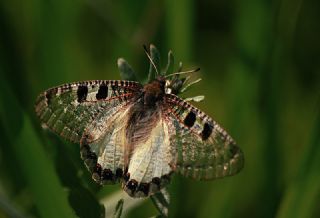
{"x": 153, "y": 92}
{"x": 145, "y": 113}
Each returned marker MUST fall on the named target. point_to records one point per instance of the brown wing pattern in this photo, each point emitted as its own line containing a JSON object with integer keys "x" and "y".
{"x": 201, "y": 149}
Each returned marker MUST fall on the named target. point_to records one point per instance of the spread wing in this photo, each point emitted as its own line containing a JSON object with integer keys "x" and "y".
{"x": 201, "y": 149}
{"x": 68, "y": 109}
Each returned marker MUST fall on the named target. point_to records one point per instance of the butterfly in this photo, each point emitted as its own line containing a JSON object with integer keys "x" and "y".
{"x": 137, "y": 134}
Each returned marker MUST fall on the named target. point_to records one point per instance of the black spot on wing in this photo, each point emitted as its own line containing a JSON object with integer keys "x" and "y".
{"x": 207, "y": 130}
{"x": 98, "y": 169}
{"x": 126, "y": 175}
{"x": 119, "y": 173}
{"x": 82, "y": 93}
{"x": 144, "y": 187}
{"x": 107, "y": 175}
{"x": 132, "y": 185}
{"x": 190, "y": 119}
{"x": 156, "y": 181}
{"x": 102, "y": 92}
{"x": 115, "y": 89}
{"x": 234, "y": 150}
{"x": 50, "y": 94}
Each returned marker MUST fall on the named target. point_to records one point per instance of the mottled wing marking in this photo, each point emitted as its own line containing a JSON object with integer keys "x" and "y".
{"x": 68, "y": 109}
{"x": 200, "y": 147}
{"x": 149, "y": 168}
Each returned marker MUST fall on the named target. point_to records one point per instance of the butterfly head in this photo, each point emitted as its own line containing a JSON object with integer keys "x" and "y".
{"x": 175, "y": 84}
{"x": 167, "y": 83}
{"x": 154, "y": 91}
{"x": 164, "y": 83}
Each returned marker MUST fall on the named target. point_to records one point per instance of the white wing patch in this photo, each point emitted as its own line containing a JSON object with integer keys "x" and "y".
{"x": 145, "y": 169}
{"x": 149, "y": 167}
{"x": 106, "y": 138}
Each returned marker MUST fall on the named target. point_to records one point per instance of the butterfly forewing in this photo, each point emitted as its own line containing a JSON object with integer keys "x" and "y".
{"x": 201, "y": 149}
{"x": 68, "y": 109}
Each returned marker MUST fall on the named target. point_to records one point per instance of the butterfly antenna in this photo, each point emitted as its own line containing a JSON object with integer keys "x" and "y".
{"x": 183, "y": 72}
{"x": 187, "y": 86}
{"x": 150, "y": 59}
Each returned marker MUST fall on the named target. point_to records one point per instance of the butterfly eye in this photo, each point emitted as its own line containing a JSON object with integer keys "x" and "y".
{"x": 177, "y": 85}
{"x": 174, "y": 86}
{"x": 162, "y": 81}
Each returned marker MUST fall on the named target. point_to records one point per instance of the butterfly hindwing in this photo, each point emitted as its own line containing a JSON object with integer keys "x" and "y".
{"x": 142, "y": 158}
{"x": 103, "y": 145}
{"x": 149, "y": 169}
{"x": 68, "y": 109}
{"x": 201, "y": 149}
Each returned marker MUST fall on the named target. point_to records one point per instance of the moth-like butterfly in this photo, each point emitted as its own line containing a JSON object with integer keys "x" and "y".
{"x": 139, "y": 134}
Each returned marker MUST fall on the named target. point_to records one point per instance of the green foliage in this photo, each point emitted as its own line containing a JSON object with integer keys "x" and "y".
{"x": 35, "y": 169}
{"x": 260, "y": 74}
{"x": 126, "y": 71}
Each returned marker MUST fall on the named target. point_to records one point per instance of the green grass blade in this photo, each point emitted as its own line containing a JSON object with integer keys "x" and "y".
{"x": 49, "y": 196}
{"x": 301, "y": 198}
{"x": 161, "y": 200}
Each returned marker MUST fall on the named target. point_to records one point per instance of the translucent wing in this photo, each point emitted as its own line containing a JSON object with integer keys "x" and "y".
{"x": 103, "y": 145}
{"x": 68, "y": 109}
{"x": 132, "y": 144}
{"x": 201, "y": 149}
{"x": 149, "y": 168}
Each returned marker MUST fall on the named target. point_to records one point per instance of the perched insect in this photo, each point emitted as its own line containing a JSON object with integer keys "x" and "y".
{"x": 139, "y": 134}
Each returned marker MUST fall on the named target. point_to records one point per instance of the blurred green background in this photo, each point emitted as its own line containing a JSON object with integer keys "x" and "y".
{"x": 260, "y": 64}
